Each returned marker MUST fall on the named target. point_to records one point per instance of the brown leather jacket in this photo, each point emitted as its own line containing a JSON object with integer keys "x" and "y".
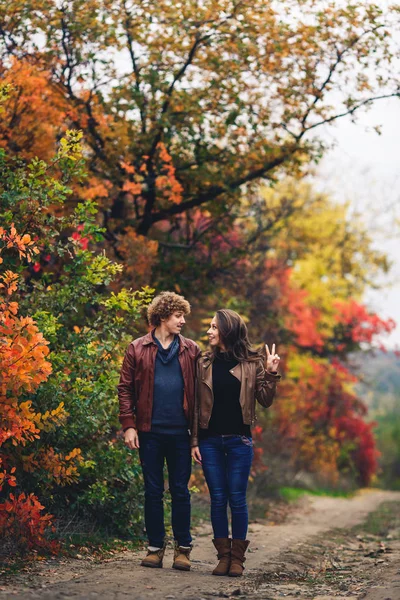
{"x": 257, "y": 384}
{"x": 136, "y": 384}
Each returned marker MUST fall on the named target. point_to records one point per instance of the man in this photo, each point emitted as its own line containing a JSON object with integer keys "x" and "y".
{"x": 156, "y": 399}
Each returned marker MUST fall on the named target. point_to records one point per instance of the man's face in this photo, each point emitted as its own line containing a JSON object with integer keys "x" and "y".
{"x": 175, "y": 322}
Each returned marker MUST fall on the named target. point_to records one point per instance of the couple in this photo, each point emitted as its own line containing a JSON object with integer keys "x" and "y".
{"x": 176, "y": 404}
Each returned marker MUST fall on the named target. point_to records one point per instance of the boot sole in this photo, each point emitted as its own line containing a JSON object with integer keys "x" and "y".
{"x": 150, "y": 566}
{"x": 181, "y": 568}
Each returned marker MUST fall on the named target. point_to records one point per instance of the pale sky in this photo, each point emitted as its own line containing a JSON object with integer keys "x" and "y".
{"x": 364, "y": 169}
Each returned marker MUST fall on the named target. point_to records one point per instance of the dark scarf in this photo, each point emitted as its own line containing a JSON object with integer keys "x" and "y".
{"x": 167, "y": 354}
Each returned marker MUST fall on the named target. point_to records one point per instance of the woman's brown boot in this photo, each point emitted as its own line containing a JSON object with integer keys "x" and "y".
{"x": 238, "y": 551}
{"x": 223, "y": 548}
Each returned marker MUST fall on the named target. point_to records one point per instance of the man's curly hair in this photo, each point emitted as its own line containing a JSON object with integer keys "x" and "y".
{"x": 163, "y": 305}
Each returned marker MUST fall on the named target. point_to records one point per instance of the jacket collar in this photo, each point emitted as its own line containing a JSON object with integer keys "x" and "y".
{"x": 208, "y": 359}
{"x": 148, "y": 339}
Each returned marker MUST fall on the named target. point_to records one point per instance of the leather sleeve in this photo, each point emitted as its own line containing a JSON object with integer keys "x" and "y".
{"x": 126, "y": 390}
{"x": 265, "y": 385}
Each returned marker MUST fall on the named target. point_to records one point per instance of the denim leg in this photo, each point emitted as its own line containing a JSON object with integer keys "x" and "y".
{"x": 215, "y": 472}
{"x": 179, "y": 463}
{"x": 239, "y": 458}
{"x": 151, "y": 454}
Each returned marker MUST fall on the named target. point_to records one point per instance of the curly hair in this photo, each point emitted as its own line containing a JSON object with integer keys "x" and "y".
{"x": 164, "y": 305}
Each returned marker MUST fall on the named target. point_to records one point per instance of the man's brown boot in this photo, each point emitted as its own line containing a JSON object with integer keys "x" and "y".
{"x": 223, "y": 548}
{"x": 181, "y": 558}
{"x": 238, "y": 551}
{"x": 154, "y": 558}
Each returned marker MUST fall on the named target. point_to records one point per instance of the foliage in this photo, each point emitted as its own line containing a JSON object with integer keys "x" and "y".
{"x": 387, "y": 433}
{"x": 88, "y": 328}
{"x": 60, "y": 365}
{"x": 24, "y": 367}
{"x": 32, "y": 111}
{"x": 323, "y": 421}
{"x": 379, "y": 386}
{"x": 315, "y": 281}
{"x": 22, "y": 524}
{"x": 180, "y": 109}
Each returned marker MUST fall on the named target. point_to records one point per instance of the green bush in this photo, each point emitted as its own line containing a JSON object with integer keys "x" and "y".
{"x": 69, "y": 293}
{"x": 388, "y": 440}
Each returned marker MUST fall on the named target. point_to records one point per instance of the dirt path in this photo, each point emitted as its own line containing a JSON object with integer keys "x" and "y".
{"x": 280, "y": 563}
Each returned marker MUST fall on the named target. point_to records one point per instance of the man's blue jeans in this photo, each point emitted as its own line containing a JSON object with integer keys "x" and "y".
{"x": 226, "y": 462}
{"x": 154, "y": 449}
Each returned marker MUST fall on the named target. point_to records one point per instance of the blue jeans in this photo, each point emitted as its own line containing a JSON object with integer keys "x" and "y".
{"x": 226, "y": 462}
{"x": 154, "y": 449}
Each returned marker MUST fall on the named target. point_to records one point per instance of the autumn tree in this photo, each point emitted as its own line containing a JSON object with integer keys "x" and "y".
{"x": 62, "y": 335}
{"x": 182, "y": 107}
{"x": 33, "y": 112}
{"x": 307, "y": 280}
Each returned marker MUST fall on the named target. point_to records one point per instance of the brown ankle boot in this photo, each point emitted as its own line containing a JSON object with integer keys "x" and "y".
{"x": 239, "y": 548}
{"x": 181, "y": 558}
{"x": 223, "y": 548}
{"x": 154, "y": 558}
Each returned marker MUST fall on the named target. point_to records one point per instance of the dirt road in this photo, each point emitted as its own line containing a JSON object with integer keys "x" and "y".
{"x": 315, "y": 554}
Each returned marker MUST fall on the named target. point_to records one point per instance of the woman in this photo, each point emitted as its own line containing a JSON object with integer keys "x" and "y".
{"x": 230, "y": 378}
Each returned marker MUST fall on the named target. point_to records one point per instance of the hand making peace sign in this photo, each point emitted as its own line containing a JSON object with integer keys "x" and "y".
{"x": 272, "y": 359}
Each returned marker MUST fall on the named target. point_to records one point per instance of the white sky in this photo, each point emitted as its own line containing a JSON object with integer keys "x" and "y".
{"x": 364, "y": 168}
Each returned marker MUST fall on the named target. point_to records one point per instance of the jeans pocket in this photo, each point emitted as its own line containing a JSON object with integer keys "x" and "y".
{"x": 247, "y": 441}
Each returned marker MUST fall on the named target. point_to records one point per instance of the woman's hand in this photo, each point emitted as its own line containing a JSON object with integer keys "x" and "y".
{"x": 272, "y": 359}
{"x": 131, "y": 438}
{"x": 196, "y": 454}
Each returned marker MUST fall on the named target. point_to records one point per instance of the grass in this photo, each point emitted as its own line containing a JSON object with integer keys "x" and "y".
{"x": 292, "y": 494}
{"x": 12, "y": 568}
{"x": 384, "y": 520}
{"x": 99, "y": 543}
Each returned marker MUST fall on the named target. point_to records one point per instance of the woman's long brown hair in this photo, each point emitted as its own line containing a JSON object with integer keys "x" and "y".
{"x": 234, "y": 336}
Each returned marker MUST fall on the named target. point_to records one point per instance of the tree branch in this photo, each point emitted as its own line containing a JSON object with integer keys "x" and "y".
{"x": 339, "y": 59}
{"x": 350, "y": 111}
{"x": 214, "y": 192}
{"x": 11, "y": 45}
{"x": 136, "y": 70}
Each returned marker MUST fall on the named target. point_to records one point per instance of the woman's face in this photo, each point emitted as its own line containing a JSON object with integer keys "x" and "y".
{"x": 213, "y": 333}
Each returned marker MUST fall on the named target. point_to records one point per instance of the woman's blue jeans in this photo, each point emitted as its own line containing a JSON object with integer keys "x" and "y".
{"x": 155, "y": 449}
{"x": 226, "y": 462}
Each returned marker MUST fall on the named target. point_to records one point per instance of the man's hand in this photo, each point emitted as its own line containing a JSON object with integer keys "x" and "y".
{"x": 196, "y": 454}
{"x": 131, "y": 438}
{"x": 272, "y": 359}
